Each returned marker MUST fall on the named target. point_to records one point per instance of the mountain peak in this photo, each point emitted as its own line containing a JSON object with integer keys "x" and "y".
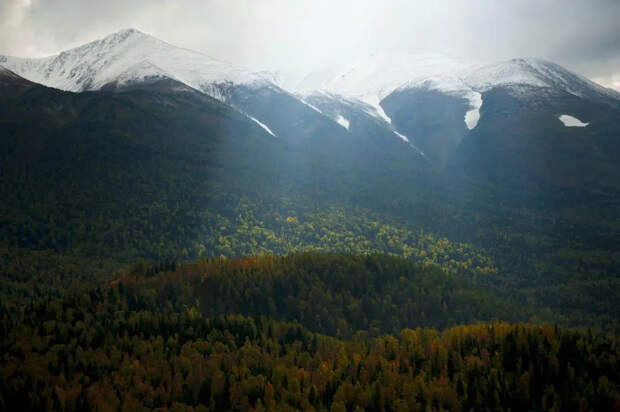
{"x": 127, "y": 32}
{"x": 533, "y": 72}
{"x": 126, "y": 57}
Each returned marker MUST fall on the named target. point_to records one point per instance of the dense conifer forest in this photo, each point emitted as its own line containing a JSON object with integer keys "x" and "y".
{"x": 307, "y": 331}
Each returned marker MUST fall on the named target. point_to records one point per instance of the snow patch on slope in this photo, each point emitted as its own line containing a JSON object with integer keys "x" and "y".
{"x": 406, "y": 139}
{"x": 571, "y": 121}
{"x": 316, "y": 109}
{"x": 402, "y": 136}
{"x": 381, "y": 113}
{"x": 342, "y": 121}
{"x": 261, "y": 124}
{"x": 472, "y": 116}
{"x": 453, "y": 85}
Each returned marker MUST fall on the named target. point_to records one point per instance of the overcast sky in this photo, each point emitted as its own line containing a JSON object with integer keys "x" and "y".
{"x": 582, "y": 35}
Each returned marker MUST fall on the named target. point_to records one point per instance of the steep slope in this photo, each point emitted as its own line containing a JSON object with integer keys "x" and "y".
{"x": 435, "y": 101}
{"x": 132, "y": 59}
{"x": 361, "y": 88}
{"x": 12, "y": 83}
{"x": 522, "y": 142}
{"x": 429, "y": 102}
{"x": 437, "y": 113}
{"x": 112, "y": 167}
{"x": 442, "y": 112}
{"x": 361, "y": 120}
{"x": 148, "y": 169}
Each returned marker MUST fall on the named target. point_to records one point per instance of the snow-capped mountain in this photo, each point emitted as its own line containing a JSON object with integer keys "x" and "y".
{"x": 130, "y": 58}
{"x": 445, "y": 111}
{"x": 374, "y": 78}
{"x": 534, "y": 73}
{"x": 430, "y": 104}
{"x": 434, "y": 102}
{"x": 377, "y": 75}
{"x": 371, "y": 79}
{"x": 127, "y": 57}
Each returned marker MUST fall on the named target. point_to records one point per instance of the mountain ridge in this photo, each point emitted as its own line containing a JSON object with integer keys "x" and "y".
{"x": 128, "y": 56}
{"x": 431, "y": 103}
{"x": 370, "y": 79}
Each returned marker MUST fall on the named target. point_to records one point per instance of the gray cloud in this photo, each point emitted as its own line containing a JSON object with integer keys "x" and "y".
{"x": 583, "y": 35}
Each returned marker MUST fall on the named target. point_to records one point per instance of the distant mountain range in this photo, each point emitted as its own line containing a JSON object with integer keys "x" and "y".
{"x": 490, "y": 121}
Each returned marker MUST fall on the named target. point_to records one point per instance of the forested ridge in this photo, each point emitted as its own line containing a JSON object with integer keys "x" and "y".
{"x": 337, "y": 295}
{"x": 135, "y": 341}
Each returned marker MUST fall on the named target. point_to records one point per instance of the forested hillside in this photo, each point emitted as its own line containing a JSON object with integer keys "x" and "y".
{"x": 162, "y": 174}
{"x": 333, "y": 294}
{"x": 159, "y": 250}
{"x": 132, "y": 343}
